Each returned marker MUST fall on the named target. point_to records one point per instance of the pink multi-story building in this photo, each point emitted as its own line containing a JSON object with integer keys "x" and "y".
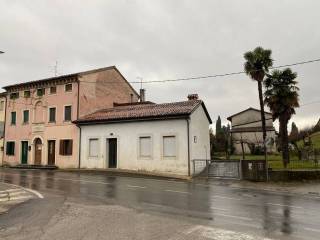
{"x": 39, "y": 114}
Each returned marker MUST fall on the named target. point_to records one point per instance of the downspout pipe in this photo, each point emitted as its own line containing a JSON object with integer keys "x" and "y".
{"x": 78, "y": 115}
{"x": 4, "y": 129}
{"x": 188, "y": 135}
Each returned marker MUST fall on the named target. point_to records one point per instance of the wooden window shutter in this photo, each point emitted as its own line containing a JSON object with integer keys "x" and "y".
{"x": 61, "y": 150}
{"x": 70, "y": 147}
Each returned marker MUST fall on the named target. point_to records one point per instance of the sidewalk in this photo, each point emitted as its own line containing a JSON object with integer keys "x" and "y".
{"x": 310, "y": 188}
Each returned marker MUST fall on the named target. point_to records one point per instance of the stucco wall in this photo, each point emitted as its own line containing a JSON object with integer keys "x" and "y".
{"x": 245, "y": 119}
{"x": 252, "y": 137}
{"x": 101, "y": 89}
{"x": 251, "y": 116}
{"x": 127, "y": 135}
{"x": 47, "y": 131}
{"x": 199, "y": 137}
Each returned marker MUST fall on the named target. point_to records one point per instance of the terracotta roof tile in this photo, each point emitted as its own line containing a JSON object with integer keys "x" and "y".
{"x": 142, "y": 111}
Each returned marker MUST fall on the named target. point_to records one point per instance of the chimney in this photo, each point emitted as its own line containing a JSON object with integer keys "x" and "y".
{"x": 193, "y": 96}
{"x": 142, "y": 95}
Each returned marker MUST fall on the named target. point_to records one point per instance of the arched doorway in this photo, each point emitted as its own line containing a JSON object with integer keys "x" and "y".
{"x": 37, "y": 151}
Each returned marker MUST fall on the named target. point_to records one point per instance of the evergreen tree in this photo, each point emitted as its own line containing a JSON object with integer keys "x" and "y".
{"x": 294, "y": 134}
{"x": 218, "y": 126}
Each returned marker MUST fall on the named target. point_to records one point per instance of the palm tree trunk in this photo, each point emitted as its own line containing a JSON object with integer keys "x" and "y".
{"x": 263, "y": 119}
{"x": 283, "y": 122}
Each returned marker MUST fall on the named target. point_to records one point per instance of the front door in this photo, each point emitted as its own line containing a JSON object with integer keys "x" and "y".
{"x": 51, "y": 152}
{"x": 112, "y": 144}
{"x": 24, "y": 152}
{"x": 37, "y": 151}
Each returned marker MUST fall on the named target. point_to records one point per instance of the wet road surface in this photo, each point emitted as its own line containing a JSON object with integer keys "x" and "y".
{"x": 262, "y": 213}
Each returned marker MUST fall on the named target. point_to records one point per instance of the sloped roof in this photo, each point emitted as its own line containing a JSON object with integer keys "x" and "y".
{"x": 248, "y": 109}
{"x": 67, "y": 76}
{"x": 147, "y": 111}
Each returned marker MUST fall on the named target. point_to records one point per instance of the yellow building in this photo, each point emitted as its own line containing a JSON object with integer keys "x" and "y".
{"x": 2, "y": 117}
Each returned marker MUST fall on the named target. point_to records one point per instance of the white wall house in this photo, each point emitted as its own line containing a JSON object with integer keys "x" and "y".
{"x": 159, "y": 138}
{"x": 246, "y": 128}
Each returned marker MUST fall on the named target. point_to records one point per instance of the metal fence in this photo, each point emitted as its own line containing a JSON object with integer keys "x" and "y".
{"x": 217, "y": 168}
{"x": 224, "y": 169}
{"x": 295, "y": 164}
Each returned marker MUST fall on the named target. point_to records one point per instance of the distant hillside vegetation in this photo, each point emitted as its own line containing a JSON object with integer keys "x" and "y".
{"x": 315, "y": 138}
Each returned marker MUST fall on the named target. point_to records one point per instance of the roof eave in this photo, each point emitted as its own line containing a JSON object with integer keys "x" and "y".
{"x": 102, "y": 121}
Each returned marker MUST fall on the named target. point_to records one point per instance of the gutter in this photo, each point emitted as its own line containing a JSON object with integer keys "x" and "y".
{"x": 188, "y": 135}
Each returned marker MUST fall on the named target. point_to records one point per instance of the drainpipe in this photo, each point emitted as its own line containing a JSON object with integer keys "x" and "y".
{"x": 79, "y": 147}
{"x": 78, "y": 114}
{"x": 4, "y": 128}
{"x": 188, "y": 134}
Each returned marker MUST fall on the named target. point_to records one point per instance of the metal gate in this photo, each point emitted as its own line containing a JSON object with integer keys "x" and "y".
{"x": 254, "y": 170}
{"x": 224, "y": 169}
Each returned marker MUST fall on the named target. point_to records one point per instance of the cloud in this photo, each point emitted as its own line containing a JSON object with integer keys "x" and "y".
{"x": 163, "y": 40}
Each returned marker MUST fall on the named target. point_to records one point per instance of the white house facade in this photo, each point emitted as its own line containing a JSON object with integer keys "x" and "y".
{"x": 148, "y": 137}
{"x": 246, "y": 131}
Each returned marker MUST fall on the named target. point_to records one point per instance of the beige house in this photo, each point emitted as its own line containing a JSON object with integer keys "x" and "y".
{"x": 2, "y": 117}
{"x": 39, "y": 114}
{"x": 246, "y": 129}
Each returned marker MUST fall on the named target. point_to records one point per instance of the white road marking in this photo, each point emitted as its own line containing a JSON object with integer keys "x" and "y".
{"x": 223, "y": 197}
{"x": 283, "y": 205}
{"x": 312, "y": 230}
{"x": 134, "y": 186}
{"x": 232, "y": 216}
{"x": 11, "y": 190}
{"x": 39, "y": 195}
{"x": 219, "y": 209}
{"x": 19, "y": 198}
{"x": 168, "y": 190}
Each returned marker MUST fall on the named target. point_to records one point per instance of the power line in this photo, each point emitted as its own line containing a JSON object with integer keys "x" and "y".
{"x": 206, "y": 76}
{"x": 225, "y": 74}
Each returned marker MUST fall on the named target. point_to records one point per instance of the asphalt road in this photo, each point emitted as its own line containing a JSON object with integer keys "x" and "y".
{"x": 99, "y": 206}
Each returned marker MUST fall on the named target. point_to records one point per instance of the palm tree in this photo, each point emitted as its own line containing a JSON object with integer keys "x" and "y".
{"x": 256, "y": 66}
{"x": 281, "y": 96}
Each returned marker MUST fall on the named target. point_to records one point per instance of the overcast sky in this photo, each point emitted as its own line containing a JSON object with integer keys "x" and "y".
{"x": 160, "y": 40}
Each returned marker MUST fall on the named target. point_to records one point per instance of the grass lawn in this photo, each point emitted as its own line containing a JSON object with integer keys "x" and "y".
{"x": 315, "y": 139}
{"x": 275, "y": 161}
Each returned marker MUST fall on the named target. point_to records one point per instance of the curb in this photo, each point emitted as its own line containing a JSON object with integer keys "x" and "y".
{"x": 129, "y": 173}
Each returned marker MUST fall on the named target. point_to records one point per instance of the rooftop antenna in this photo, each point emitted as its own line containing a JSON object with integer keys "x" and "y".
{"x": 142, "y": 91}
{"x": 56, "y": 69}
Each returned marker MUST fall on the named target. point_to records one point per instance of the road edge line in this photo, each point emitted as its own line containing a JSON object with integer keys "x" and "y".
{"x": 39, "y": 195}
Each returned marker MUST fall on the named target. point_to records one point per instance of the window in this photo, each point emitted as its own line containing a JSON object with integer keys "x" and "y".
{"x": 68, "y": 87}
{"x": 169, "y": 146}
{"x": 1, "y": 105}
{"x": 145, "y": 146}
{"x": 13, "y": 118}
{"x": 67, "y": 113}
{"x": 52, "y": 114}
{"x": 40, "y": 92}
{"x": 27, "y": 94}
{"x": 53, "y": 90}
{"x": 66, "y": 147}
{"x": 26, "y": 116}
{"x": 93, "y": 147}
{"x": 14, "y": 95}
{"x": 10, "y": 148}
